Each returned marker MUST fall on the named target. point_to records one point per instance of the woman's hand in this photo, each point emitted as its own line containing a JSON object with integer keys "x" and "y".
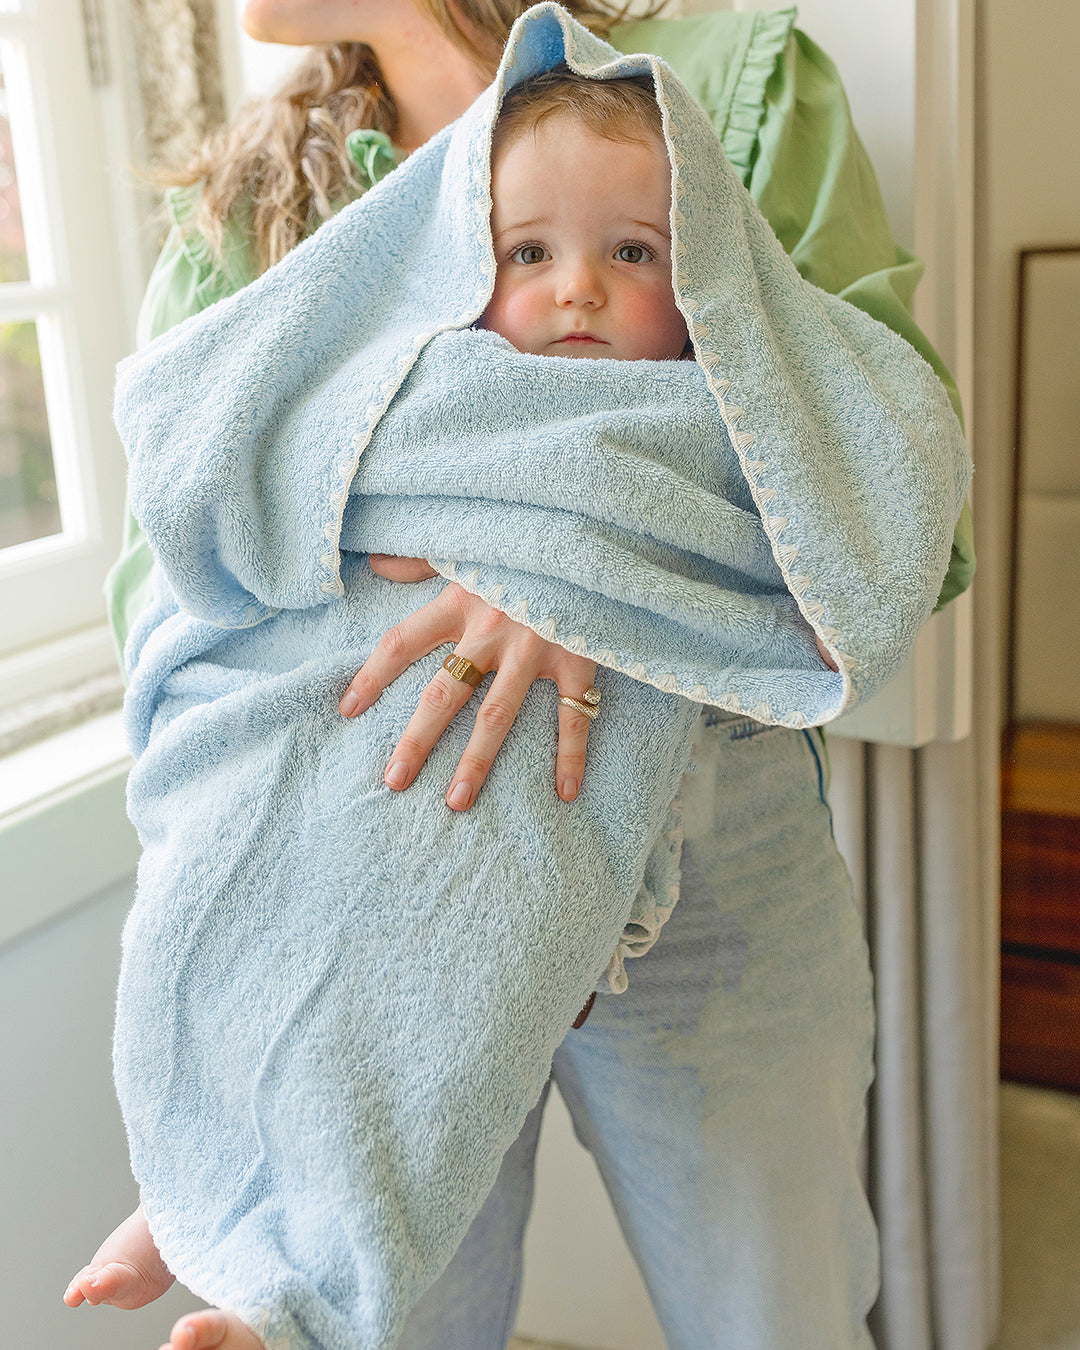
{"x": 823, "y": 652}
{"x": 491, "y": 641}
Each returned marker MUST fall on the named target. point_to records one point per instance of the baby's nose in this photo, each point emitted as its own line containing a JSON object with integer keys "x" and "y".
{"x": 580, "y": 283}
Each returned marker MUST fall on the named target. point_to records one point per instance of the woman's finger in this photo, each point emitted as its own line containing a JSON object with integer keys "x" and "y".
{"x": 439, "y": 621}
{"x": 489, "y": 640}
{"x": 825, "y": 655}
{"x": 494, "y": 718}
{"x": 401, "y": 569}
{"x": 573, "y": 737}
{"x": 442, "y": 700}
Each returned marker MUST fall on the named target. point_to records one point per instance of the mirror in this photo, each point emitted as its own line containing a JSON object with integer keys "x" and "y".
{"x": 1040, "y": 1031}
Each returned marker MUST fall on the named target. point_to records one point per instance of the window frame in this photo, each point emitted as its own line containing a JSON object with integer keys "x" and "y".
{"x": 84, "y": 223}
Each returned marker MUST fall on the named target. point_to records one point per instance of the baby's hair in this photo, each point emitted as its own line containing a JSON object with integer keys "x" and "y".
{"x": 624, "y": 109}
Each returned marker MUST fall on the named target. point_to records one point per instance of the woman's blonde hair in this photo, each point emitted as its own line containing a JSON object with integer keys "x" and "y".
{"x": 283, "y": 166}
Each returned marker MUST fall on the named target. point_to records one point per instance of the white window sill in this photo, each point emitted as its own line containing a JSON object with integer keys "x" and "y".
{"x": 49, "y": 667}
{"x": 64, "y": 832}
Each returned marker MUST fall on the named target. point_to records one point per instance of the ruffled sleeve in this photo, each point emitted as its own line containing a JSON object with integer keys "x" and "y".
{"x": 727, "y": 61}
{"x": 188, "y": 276}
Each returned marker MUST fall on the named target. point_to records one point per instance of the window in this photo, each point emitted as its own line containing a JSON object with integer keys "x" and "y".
{"x": 65, "y": 320}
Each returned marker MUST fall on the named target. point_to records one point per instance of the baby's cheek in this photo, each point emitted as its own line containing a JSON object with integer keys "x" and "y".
{"x": 514, "y": 314}
{"x": 655, "y": 318}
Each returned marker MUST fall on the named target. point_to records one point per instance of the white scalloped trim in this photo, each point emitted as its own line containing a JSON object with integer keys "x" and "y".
{"x": 254, "y": 615}
{"x": 811, "y": 608}
{"x": 666, "y": 682}
{"x": 494, "y": 597}
{"x": 604, "y": 656}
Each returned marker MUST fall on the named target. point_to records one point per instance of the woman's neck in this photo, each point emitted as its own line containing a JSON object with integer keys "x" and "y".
{"x": 431, "y": 81}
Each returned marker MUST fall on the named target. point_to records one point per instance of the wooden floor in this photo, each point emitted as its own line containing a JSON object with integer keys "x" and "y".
{"x": 1040, "y": 905}
{"x": 1040, "y": 769}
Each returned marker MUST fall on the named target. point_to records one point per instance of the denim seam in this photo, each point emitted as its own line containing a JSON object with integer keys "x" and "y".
{"x": 817, "y": 764}
{"x": 822, "y": 794}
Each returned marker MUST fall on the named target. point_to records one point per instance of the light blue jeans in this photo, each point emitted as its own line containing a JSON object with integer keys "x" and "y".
{"x": 722, "y": 1096}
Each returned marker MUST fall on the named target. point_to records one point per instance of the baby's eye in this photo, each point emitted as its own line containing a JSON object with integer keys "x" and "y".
{"x": 632, "y": 253}
{"x": 531, "y": 253}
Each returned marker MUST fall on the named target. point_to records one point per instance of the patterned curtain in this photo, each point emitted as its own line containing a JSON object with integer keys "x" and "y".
{"x": 179, "y": 62}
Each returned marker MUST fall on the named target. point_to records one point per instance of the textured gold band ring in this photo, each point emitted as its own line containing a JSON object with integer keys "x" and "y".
{"x": 588, "y": 704}
{"x": 461, "y": 668}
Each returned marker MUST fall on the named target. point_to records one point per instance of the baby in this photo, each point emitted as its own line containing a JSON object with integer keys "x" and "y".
{"x": 581, "y": 199}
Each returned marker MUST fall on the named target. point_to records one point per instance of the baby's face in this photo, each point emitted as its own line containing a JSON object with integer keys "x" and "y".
{"x": 583, "y": 246}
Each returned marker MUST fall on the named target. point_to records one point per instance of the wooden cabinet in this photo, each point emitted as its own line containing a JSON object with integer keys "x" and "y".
{"x": 1040, "y": 904}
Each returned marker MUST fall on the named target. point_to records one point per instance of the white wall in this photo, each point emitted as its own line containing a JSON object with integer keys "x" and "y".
{"x": 64, "y": 1176}
{"x": 250, "y": 67}
{"x": 1029, "y": 196}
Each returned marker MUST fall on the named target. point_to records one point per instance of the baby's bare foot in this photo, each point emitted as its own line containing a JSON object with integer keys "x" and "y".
{"x": 126, "y": 1271}
{"x": 212, "y": 1330}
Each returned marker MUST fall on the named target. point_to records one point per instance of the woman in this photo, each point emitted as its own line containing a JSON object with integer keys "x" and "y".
{"x": 750, "y": 1224}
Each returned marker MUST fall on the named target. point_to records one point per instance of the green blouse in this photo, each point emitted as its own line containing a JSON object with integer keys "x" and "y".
{"x": 778, "y": 105}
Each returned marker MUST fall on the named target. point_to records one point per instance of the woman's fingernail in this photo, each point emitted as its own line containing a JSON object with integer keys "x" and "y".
{"x": 569, "y": 789}
{"x": 396, "y": 776}
{"x": 349, "y": 704}
{"x": 460, "y": 796}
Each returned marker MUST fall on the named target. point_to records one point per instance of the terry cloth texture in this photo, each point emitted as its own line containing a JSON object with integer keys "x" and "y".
{"x": 337, "y": 1004}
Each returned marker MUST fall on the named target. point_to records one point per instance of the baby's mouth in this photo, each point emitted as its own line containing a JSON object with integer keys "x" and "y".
{"x": 584, "y": 339}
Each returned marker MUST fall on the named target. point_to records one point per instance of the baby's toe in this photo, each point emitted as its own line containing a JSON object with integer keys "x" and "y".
{"x": 123, "y": 1285}
{"x": 93, "y": 1284}
{"x": 73, "y": 1294}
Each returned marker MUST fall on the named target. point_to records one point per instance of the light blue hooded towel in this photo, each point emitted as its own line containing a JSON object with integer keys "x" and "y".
{"x": 337, "y": 1003}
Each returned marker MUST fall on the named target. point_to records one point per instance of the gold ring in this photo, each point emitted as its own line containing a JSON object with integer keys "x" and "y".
{"x": 461, "y": 668}
{"x": 589, "y": 710}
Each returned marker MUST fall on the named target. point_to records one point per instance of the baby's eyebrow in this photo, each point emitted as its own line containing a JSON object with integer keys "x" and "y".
{"x": 650, "y": 225}
{"x": 519, "y": 225}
